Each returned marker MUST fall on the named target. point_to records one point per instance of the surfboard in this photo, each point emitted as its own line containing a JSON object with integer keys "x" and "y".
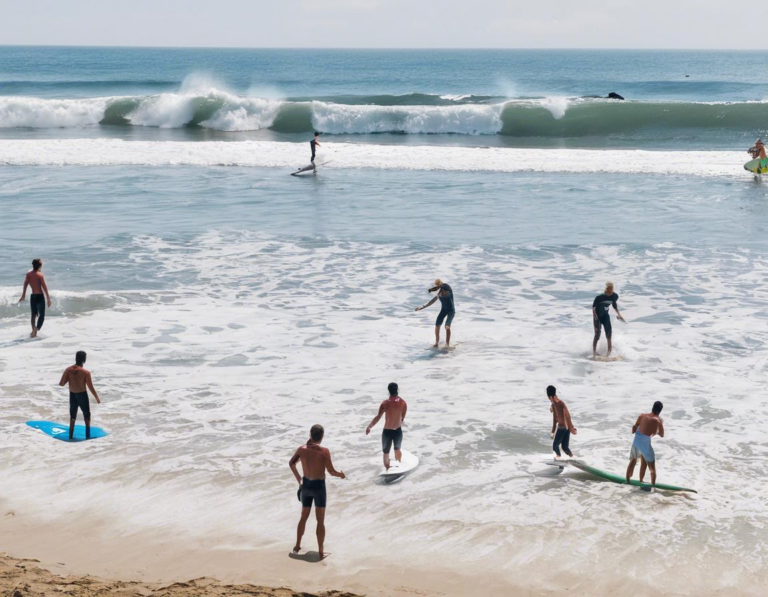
{"x": 398, "y": 469}
{"x": 607, "y": 359}
{"x": 757, "y": 166}
{"x": 59, "y": 431}
{"x": 558, "y": 463}
{"x": 582, "y": 466}
{"x": 304, "y": 169}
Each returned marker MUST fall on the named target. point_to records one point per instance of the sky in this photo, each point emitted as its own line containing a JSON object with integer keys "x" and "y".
{"x": 699, "y": 24}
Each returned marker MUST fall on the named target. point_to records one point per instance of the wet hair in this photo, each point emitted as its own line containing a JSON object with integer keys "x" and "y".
{"x": 608, "y": 285}
{"x": 551, "y": 391}
{"x": 392, "y": 389}
{"x": 37, "y": 263}
{"x": 438, "y": 284}
{"x": 657, "y": 406}
{"x": 317, "y": 134}
{"x": 316, "y": 433}
{"x": 80, "y": 358}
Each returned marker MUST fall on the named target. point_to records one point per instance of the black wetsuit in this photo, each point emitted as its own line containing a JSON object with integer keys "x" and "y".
{"x": 312, "y": 144}
{"x": 447, "y": 306}
{"x": 601, "y": 305}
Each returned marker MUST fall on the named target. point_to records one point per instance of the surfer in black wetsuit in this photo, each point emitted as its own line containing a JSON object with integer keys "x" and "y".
{"x": 313, "y": 144}
{"x": 601, "y": 316}
{"x": 447, "y": 311}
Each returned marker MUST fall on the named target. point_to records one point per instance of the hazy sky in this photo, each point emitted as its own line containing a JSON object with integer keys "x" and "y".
{"x": 388, "y": 23}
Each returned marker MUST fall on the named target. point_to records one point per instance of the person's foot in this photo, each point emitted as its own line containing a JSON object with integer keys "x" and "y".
{"x": 435, "y": 345}
{"x": 570, "y": 454}
{"x": 627, "y": 480}
{"x": 322, "y": 555}
{"x": 34, "y": 333}
{"x": 296, "y": 548}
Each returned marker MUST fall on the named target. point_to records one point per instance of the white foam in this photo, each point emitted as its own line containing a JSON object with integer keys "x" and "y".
{"x": 114, "y": 152}
{"x": 50, "y": 113}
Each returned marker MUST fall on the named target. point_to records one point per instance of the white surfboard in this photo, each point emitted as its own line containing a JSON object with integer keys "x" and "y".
{"x": 607, "y": 359}
{"x": 398, "y": 469}
{"x": 304, "y": 169}
{"x": 560, "y": 463}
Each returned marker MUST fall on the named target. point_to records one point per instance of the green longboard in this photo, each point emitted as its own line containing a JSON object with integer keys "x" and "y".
{"x": 619, "y": 479}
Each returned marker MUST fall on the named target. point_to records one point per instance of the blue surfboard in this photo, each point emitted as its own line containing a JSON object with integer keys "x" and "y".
{"x": 59, "y": 431}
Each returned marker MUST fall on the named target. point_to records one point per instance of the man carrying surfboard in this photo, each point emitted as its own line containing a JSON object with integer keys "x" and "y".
{"x": 79, "y": 379}
{"x": 315, "y": 461}
{"x": 394, "y": 408}
{"x": 447, "y": 310}
{"x": 646, "y": 426}
{"x": 602, "y": 318}
{"x": 36, "y": 281}
{"x": 562, "y": 426}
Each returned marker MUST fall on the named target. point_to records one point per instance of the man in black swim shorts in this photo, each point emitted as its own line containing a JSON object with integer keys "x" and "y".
{"x": 447, "y": 310}
{"x": 601, "y": 316}
{"x": 79, "y": 380}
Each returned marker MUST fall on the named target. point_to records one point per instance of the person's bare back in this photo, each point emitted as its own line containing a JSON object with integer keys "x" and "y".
{"x": 36, "y": 281}
{"x": 650, "y": 424}
{"x": 78, "y": 379}
{"x": 314, "y": 460}
{"x": 394, "y": 409}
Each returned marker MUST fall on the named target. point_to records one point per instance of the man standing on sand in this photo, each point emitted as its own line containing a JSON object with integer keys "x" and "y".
{"x": 36, "y": 280}
{"x": 562, "y": 426}
{"x": 447, "y": 310}
{"x": 78, "y": 379}
{"x": 315, "y": 460}
{"x": 395, "y": 409}
{"x": 645, "y": 427}
{"x": 602, "y": 317}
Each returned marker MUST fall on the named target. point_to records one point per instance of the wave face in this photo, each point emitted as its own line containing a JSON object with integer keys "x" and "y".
{"x": 405, "y": 114}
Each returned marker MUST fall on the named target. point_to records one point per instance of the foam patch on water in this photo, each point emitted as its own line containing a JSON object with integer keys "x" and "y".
{"x": 210, "y": 386}
{"x": 110, "y": 152}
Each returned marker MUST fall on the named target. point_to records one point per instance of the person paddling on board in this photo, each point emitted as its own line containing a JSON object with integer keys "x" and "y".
{"x": 315, "y": 461}
{"x": 394, "y": 408}
{"x": 313, "y": 144}
{"x": 646, "y": 426}
{"x": 36, "y": 281}
{"x": 78, "y": 379}
{"x": 602, "y": 317}
{"x": 447, "y": 310}
{"x": 562, "y": 426}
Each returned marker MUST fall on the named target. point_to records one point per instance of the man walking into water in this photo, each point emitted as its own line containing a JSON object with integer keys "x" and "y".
{"x": 447, "y": 310}
{"x": 646, "y": 426}
{"x": 79, "y": 379}
{"x": 313, "y": 144}
{"x": 315, "y": 461}
{"x": 562, "y": 426}
{"x": 602, "y": 318}
{"x": 36, "y": 281}
{"x": 394, "y": 408}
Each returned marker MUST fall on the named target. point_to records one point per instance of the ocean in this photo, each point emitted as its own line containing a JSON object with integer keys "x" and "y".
{"x": 226, "y": 306}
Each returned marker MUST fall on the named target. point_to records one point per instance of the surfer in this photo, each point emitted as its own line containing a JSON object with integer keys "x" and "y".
{"x": 601, "y": 315}
{"x": 757, "y": 151}
{"x": 646, "y": 426}
{"x": 315, "y": 461}
{"x": 562, "y": 426}
{"x": 395, "y": 409}
{"x": 314, "y": 143}
{"x": 37, "y": 301}
{"x": 447, "y": 310}
{"x": 78, "y": 379}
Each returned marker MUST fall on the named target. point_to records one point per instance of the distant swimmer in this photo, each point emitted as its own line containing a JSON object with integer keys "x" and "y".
{"x": 394, "y": 408}
{"x": 447, "y": 310}
{"x": 37, "y": 301}
{"x": 315, "y": 461}
{"x": 79, "y": 379}
{"x": 562, "y": 426}
{"x": 313, "y": 144}
{"x": 601, "y": 316}
{"x": 614, "y": 95}
{"x": 645, "y": 428}
{"x": 757, "y": 151}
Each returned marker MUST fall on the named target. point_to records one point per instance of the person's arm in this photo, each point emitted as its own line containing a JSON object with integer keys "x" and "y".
{"x": 637, "y": 424}
{"x": 45, "y": 289}
{"x": 594, "y": 308}
{"x": 329, "y": 466}
{"x": 375, "y": 419}
{"x": 405, "y": 409}
{"x": 89, "y": 382}
{"x": 292, "y": 463}
{"x": 618, "y": 313}
{"x": 427, "y": 305}
{"x": 568, "y": 422}
{"x": 661, "y": 427}
{"x": 24, "y": 289}
{"x": 554, "y": 420}
{"x": 64, "y": 378}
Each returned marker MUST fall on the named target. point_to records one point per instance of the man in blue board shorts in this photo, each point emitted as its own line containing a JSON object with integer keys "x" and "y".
{"x": 447, "y": 310}
{"x": 601, "y": 316}
{"x": 646, "y": 426}
{"x": 315, "y": 461}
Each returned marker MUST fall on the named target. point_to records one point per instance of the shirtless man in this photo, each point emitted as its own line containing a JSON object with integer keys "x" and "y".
{"x": 36, "y": 280}
{"x": 645, "y": 427}
{"x": 447, "y": 310}
{"x": 395, "y": 409}
{"x": 562, "y": 426}
{"x": 315, "y": 460}
{"x": 78, "y": 379}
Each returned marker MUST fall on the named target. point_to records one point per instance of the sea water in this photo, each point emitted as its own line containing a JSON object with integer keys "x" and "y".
{"x": 226, "y": 306}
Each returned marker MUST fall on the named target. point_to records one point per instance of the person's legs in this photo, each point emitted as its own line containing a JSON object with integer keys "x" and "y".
{"x": 398, "y": 441}
{"x": 301, "y": 527}
{"x": 33, "y": 310}
{"x": 320, "y": 515}
{"x": 86, "y": 408}
{"x": 72, "y": 414}
{"x": 608, "y": 333}
{"x": 40, "y": 312}
{"x": 652, "y": 466}
{"x": 437, "y": 336}
{"x": 597, "y": 337}
{"x": 558, "y": 439}
{"x": 631, "y": 469}
{"x": 643, "y": 467}
{"x": 565, "y": 443}
{"x": 448, "y": 323}
{"x": 386, "y": 446}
